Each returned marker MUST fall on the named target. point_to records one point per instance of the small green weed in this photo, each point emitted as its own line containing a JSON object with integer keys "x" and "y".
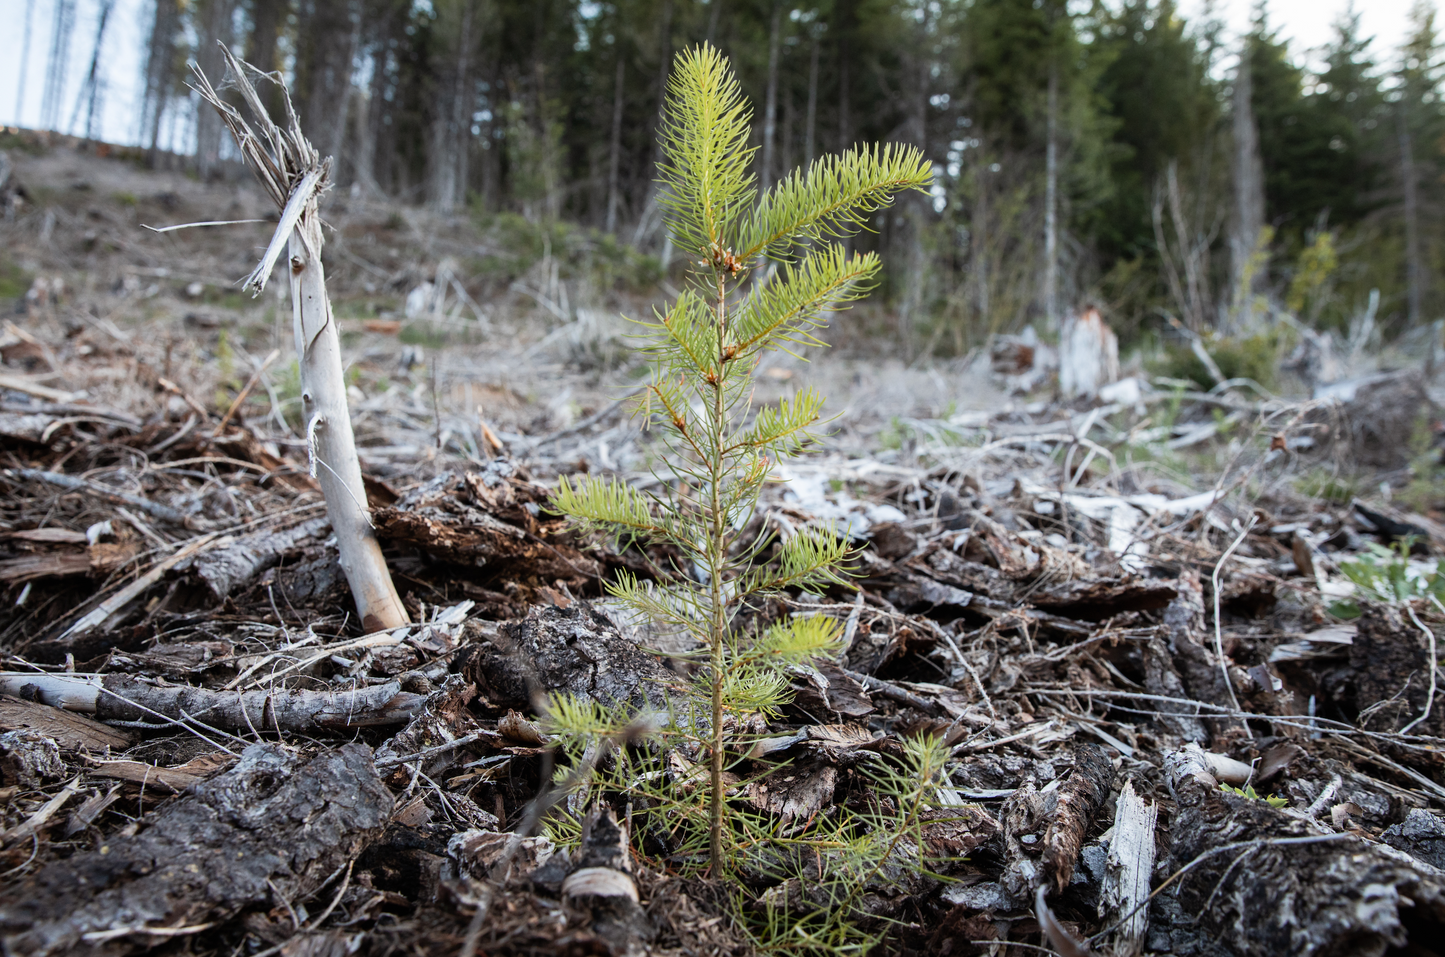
{"x": 1384, "y": 575}
{"x": 1274, "y": 800}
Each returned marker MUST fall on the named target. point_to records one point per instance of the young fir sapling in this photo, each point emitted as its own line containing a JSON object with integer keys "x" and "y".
{"x": 719, "y": 450}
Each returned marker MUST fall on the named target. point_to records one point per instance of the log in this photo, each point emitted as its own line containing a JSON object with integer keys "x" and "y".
{"x": 272, "y": 829}
{"x": 125, "y": 698}
{"x": 1263, "y": 882}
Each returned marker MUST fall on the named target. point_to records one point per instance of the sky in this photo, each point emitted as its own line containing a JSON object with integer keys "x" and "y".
{"x": 1306, "y": 23}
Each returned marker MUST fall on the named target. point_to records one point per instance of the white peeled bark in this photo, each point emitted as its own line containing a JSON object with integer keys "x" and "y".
{"x": 295, "y": 176}
{"x": 332, "y": 444}
{"x": 1128, "y": 870}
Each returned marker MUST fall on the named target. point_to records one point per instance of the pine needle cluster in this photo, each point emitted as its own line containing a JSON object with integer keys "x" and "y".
{"x": 766, "y": 272}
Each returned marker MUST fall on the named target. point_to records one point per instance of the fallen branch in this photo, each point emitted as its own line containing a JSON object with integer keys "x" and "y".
{"x": 125, "y": 698}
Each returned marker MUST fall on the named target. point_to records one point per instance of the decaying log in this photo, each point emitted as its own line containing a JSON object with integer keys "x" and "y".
{"x": 96, "y": 560}
{"x": 1128, "y": 869}
{"x": 29, "y": 759}
{"x": 226, "y": 568}
{"x": 271, "y": 830}
{"x": 1264, "y": 882}
{"x": 574, "y": 650}
{"x": 489, "y": 520}
{"x": 1044, "y": 831}
{"x": 125, "y": 698}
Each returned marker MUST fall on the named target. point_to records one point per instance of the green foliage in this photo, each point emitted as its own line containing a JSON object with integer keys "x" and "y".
{"x": 703, "y": 351}
{"x": 1274, "y": 800}
{"x": 1384, "y": 575}
{"x": 517, "y": 244}
{"x": 1255, "y": 357}
{"x": 1317, "y": 263}
{"x": 14, "y": 281}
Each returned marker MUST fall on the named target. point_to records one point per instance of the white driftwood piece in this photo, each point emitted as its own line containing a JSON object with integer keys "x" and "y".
{"x": 1088, "y": 355}
{"x": 1127, "y": 870}
{"x": 294, "y": 174}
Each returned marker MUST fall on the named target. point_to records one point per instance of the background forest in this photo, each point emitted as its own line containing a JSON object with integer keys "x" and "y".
{"x": 1111, "y": 154}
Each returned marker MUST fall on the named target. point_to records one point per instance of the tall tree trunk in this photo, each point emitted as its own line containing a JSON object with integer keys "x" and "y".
{"x": 712, "y": 18}
{"x": 90, "y": 92}
{"x": 978, "y": 238}
{"x": 55, "y": 70}
{"x": 266, "y": 19}
{"x": 811, "y": 123}
{"x": 1248, "y": 220}
{"x": 215, "y": 25}
{"x": 24, "y": 63}
{"x": 1414, "y": 274}
{"x": 1051, "y": 205}
{"x": 447, "y": 184}
{"x": 159, "y": 56}
{"x": 915, "y": 206}
{"x": 770, "y": 109}
{"x": 614, "y": 158}
{"x": 650, "y": 206}
{"x": 325, "y": 51}
{"x": 844, "y": 24}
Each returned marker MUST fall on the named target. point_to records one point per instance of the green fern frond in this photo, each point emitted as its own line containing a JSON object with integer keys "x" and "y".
{"x": 788, "y": 309}
{"x": 705, "y": 156}
{"x": 834, "y": 197}
{"x": 782, "y": 428}
{"x": 608, "y": 503}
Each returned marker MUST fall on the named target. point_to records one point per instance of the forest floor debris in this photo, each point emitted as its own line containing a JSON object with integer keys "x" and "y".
{"x": 1181, "y": 645}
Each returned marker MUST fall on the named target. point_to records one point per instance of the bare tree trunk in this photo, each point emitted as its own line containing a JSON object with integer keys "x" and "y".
{"x": 978, "y": 237}
{"x": 447, "y": 182}
{"x": 844, "y": 24}
{"x": 916, "y": 206}
{"x": 770, "y": 109}
{"x": 63, "y": 26}
{"x": 811, "y": 123}
{"x": 1248, "y": 193}
{"x": 24, "y": 62}
{"x": 158, "y": 74}
{"x": 712, "y": 19}
{"x": 294, "y": 180}
{"x": 266, "y": 18}
{"x": 1051, "y": 204}
{"x": 1414, "y": 274}
{"x": 325, "y": 51}
{"x": 614, "y": 158}
{"x": 650, "y": 206}
{"x": 215, "y": 28}
{"x": 90, "y": 92}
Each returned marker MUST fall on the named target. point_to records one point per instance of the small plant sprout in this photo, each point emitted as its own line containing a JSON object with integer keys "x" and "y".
{"x": 720, "y": 450}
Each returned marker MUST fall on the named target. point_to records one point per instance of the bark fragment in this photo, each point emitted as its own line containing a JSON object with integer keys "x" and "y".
{"x": 273, "y": 828}
{"x": 1266, "y": 882}
{"x": 573, "y": 650}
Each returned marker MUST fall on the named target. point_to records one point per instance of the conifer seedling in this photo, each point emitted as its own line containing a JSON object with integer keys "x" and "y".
{"x": 719, "y": 448}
